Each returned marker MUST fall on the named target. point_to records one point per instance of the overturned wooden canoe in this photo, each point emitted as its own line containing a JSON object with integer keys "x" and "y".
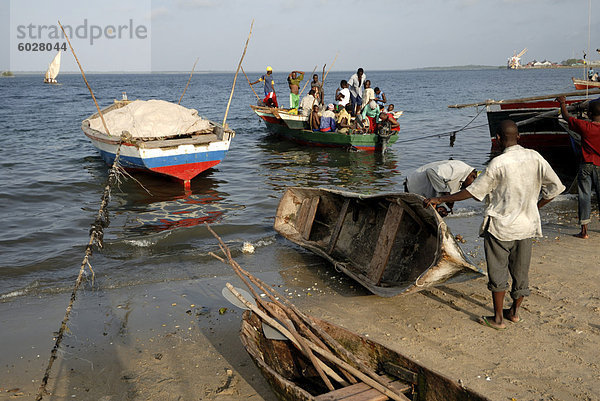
{"x": 389, "y": 243}
{"x": 293, "y": 377}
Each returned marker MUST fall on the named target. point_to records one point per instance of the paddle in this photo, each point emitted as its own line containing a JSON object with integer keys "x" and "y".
{"x": 270, "y": 332}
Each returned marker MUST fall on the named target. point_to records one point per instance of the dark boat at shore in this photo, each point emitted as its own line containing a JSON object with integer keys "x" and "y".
{"x": 388, "y": 243}
{"x": 293, "y": 378}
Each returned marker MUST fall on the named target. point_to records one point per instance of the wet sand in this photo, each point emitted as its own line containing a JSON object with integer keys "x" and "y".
{"x": 172, "y": 341}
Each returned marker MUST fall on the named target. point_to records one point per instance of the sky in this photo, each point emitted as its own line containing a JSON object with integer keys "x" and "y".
{"x": 300, "y": 34}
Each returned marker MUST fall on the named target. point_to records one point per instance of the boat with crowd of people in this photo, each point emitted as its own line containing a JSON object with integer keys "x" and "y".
{"x": 294, "y": 127}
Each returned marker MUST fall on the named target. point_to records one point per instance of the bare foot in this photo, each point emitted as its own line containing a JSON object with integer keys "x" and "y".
{"x": 490, "y": 322}
{"x": 507, "y": 313}
{"x": 581, "y": 235}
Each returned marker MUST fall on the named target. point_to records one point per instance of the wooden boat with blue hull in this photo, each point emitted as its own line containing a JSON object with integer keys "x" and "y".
{"x": 293, "y": 378}
{"x": 388, "y": 243}
{"x": 182, "y": 157}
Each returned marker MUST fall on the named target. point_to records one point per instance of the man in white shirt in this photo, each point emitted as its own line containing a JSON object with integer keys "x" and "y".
{"x": 511, "y": 186}
{"x": 307, "y": 103}
{"x": 343, "y": 95}
{"x": 356, "y": 83}
{"x": 440, "y": 178}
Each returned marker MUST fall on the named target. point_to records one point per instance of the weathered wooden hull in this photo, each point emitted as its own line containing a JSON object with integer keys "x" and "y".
{"x": 545, "y": 134}
{"x": 293, "y": 378}
{"x": 388, "y": 243}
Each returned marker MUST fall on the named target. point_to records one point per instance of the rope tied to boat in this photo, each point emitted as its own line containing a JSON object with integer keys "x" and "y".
{"x": 96, "y": 238}
{"x": 336, "y": 266}
{"x": 451, "y": 134}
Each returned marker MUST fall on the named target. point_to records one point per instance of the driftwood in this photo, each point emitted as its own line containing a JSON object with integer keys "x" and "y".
{"x": 369, "y": 377}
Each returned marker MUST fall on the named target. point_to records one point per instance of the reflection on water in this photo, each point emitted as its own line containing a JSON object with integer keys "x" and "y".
{"x": 152, "y": 204}
{"x": 287, "y": 164}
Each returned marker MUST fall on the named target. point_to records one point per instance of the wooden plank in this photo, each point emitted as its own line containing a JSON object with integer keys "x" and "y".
{"x": 338, "y": 226}
{"x": 363, "y": 392}
{"x": 525, "y": 99}
{"x": 385, "y": 242}
{"x": 400, "y": 372}
{"x": 195, "y": 140}
{"x": 301, "y": 216}
{"x": 411, "y": 213}
{"x": 312, "y": 212}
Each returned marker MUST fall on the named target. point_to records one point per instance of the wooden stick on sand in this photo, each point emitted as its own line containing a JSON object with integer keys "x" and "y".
{"x": 370, "y": 378}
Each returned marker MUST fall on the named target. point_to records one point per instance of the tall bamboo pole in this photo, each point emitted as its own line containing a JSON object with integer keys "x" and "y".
{"x": 236, "y": 73}
{"x": 248, "y": 79}
{"x": 306, "y": 83}
{"x": 85, "y": 79}
{"x": 188, "y": 82}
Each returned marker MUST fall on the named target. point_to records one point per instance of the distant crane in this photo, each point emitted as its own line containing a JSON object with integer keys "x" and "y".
{"x": 514, "y": 62}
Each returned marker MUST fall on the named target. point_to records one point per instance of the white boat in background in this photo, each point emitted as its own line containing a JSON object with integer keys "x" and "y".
{"x": 53, "y": 70}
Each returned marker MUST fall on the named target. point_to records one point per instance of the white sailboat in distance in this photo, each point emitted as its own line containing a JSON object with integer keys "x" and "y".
{"x": 53, "y": 70}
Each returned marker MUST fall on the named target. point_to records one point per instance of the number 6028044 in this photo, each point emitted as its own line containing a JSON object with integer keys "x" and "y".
{"x": 41, "y": 46}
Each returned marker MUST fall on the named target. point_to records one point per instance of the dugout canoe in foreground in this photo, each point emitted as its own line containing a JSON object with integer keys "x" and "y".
{"x": 388, "y": 243}
{"x": 293, "y": 378}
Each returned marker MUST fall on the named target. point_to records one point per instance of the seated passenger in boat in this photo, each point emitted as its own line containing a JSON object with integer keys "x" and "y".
{"x": 380, "y": 98}
{"x": 344, "y": 119}
{"x": 390, "y": 110}
{"x": 307, "y": 103}
{"x": 328, "y": 119}
{"x": 440, "y": 178}
{"x": 315, "y": 119}
{"x": 342, "y": 94}
{"x": 371, "y": 112}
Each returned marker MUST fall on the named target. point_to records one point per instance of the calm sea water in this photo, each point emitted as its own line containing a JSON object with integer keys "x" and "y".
{"x": 52, "y": 177}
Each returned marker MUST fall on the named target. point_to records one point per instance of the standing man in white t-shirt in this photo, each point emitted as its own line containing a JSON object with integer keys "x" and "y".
{"x": 356, "y": 83}
{"x": 511, "y": 185}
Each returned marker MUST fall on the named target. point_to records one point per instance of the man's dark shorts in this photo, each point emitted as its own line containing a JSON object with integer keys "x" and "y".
{"x": 508, "y": 258}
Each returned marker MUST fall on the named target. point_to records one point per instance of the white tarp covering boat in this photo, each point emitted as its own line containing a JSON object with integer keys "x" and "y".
{"x": 152, "y": 119}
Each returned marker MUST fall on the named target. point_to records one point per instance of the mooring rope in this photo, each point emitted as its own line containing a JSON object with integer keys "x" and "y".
{"x": 96, "y": 237}
{"x": 452, "y": 134}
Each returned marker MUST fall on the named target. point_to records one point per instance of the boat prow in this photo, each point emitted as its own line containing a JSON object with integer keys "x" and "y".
{"x": 388, "y": 243}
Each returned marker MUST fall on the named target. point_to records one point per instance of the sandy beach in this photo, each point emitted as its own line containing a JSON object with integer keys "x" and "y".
{"x": 173, "y": 341}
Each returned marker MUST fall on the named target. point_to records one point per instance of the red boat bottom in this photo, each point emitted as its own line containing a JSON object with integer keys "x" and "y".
{"x": 186, "y": 172}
